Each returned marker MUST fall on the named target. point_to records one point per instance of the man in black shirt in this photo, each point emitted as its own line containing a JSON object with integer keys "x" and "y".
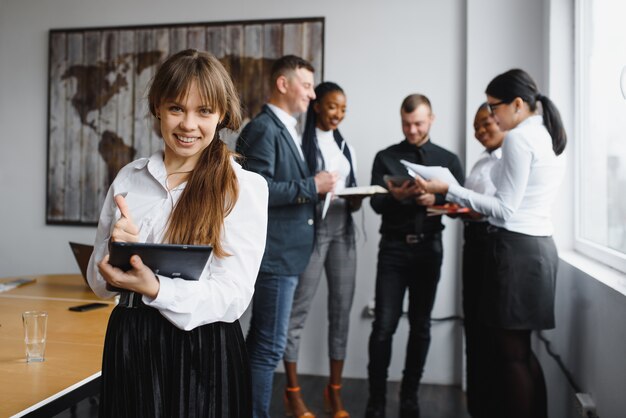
{"x": 409, "y": 257}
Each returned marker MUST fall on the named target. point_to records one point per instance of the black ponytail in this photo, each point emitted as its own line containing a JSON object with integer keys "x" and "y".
{"x": 310, "y": 150}
{"x": 518, "y": 83}
{"x": 554, "y": 125}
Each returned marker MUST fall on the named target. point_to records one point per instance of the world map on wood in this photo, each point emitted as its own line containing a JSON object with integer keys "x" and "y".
{"x": 98, "y": 113}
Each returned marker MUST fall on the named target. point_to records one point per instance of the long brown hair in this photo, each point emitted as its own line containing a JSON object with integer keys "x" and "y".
{"x": 212, "y": 188}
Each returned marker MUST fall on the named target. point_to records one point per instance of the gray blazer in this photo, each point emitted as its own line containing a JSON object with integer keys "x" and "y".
{"x": 268, "y": 149}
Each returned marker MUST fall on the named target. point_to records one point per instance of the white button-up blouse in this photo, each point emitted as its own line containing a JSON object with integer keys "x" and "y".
{"x": 226, "y": 285}
{"x": 527, "y": 179}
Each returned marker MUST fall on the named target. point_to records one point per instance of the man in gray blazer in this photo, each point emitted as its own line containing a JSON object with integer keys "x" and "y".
{"x": 271, "y": 147}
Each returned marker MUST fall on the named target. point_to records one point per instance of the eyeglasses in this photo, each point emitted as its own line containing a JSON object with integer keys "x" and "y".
{"x": 493, "y": 106}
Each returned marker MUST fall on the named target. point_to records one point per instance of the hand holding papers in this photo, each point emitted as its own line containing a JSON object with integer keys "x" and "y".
{"x": 430, "y": 172}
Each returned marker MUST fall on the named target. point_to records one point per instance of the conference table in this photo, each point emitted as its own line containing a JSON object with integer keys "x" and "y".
{"x": 74, "y": 343}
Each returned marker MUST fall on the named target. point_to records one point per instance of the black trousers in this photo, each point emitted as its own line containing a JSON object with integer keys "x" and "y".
{"x": 403, "y": 266}
{"x": 478, "y": 348}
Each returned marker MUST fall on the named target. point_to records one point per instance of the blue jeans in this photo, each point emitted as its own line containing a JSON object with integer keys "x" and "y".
{"x": 267, "y": 336}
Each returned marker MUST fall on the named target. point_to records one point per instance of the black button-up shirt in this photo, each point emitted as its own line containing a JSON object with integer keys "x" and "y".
{"x": 399, "y": 217}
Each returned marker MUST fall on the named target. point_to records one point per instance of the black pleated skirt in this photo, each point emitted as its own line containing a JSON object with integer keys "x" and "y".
{"x": 153, "y": 369}
{"x": 520, "y": 284}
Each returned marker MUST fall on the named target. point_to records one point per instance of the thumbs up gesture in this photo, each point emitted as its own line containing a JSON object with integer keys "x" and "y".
{"x": 124, "y": 229}
{"x": 140, "y": 277}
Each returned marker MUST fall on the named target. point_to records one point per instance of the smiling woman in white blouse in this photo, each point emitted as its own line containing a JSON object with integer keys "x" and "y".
{"x": 522, "y": 261}
{"x": 325, "y": 149}
{"x": 173, "y": 347}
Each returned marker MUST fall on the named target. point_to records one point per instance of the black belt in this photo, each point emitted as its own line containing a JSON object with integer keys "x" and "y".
{"x": 412, "y": 238}
{"x": 492, "y": 229}
{"x": 476, "y": 232}
{"x": 477, "y": 226}
{"x": 130, "y": 300}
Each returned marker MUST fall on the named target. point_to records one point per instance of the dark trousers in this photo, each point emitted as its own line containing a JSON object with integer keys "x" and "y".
{"x": 478, "y": 347}
{"x": 403, "y": 266}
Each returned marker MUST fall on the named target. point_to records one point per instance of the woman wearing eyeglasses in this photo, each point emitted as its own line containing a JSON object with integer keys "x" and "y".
{"x": 518, "y": 295}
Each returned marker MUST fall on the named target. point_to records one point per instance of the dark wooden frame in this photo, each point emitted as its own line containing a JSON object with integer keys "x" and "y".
{"x": 96, "y": 95}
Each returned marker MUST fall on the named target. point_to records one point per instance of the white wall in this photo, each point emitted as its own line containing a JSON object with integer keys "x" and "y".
{"x": 501, "y": 35}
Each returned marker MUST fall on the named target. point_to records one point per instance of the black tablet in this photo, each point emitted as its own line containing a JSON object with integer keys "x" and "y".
{"x": 171, "y": 260}
{"x": 398, "y": 180}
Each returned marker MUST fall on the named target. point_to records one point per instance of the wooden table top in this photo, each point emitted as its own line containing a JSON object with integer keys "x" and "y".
{"x": 74, "y": 341}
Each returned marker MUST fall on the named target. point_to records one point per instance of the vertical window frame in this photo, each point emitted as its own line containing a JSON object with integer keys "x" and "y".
{"x": 600, "y": 253}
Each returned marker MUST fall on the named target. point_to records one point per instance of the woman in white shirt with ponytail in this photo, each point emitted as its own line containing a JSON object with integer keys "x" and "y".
{"x": 522, "y": 260}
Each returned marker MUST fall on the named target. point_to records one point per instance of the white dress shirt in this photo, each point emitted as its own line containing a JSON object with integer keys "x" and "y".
{"x": 526, "y": 180}
{"x": 226, "y": 285}
{"x": 290, "y": 123}
{"x": 334, "y": 158}
{"x": 479, "y": 178}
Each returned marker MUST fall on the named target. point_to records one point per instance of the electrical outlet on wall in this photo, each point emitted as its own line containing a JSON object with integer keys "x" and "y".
{"x": 368, "y": 310}
{"x": 585, "y": 405}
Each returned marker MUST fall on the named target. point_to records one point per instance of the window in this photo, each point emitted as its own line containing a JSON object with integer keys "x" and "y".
{"x": 601, "y": 131}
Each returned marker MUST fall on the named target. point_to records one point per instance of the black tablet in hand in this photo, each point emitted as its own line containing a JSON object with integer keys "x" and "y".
{"x": 398, "y": 180}
{"x": 171, "y": 260}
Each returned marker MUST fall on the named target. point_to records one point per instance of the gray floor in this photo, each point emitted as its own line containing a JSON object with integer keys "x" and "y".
{"x": 435, "y": 401}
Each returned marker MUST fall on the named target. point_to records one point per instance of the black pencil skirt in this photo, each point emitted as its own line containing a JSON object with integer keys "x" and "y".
{"x": 520, "y": 282}
{"x": 153, "y": 369}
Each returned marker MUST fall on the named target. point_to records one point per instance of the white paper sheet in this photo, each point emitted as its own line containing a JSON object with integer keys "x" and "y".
{"x": 430, "y": 172}
{"x": 327, "y": 200}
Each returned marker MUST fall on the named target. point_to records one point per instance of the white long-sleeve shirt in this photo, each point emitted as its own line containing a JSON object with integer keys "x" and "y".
{"x": 290, "y": 123}
{"x": 226, "y": 285}
{"x": 334, "y": 159}
{"x": 479, "y": 178}
{"x": 526, "y": 180}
